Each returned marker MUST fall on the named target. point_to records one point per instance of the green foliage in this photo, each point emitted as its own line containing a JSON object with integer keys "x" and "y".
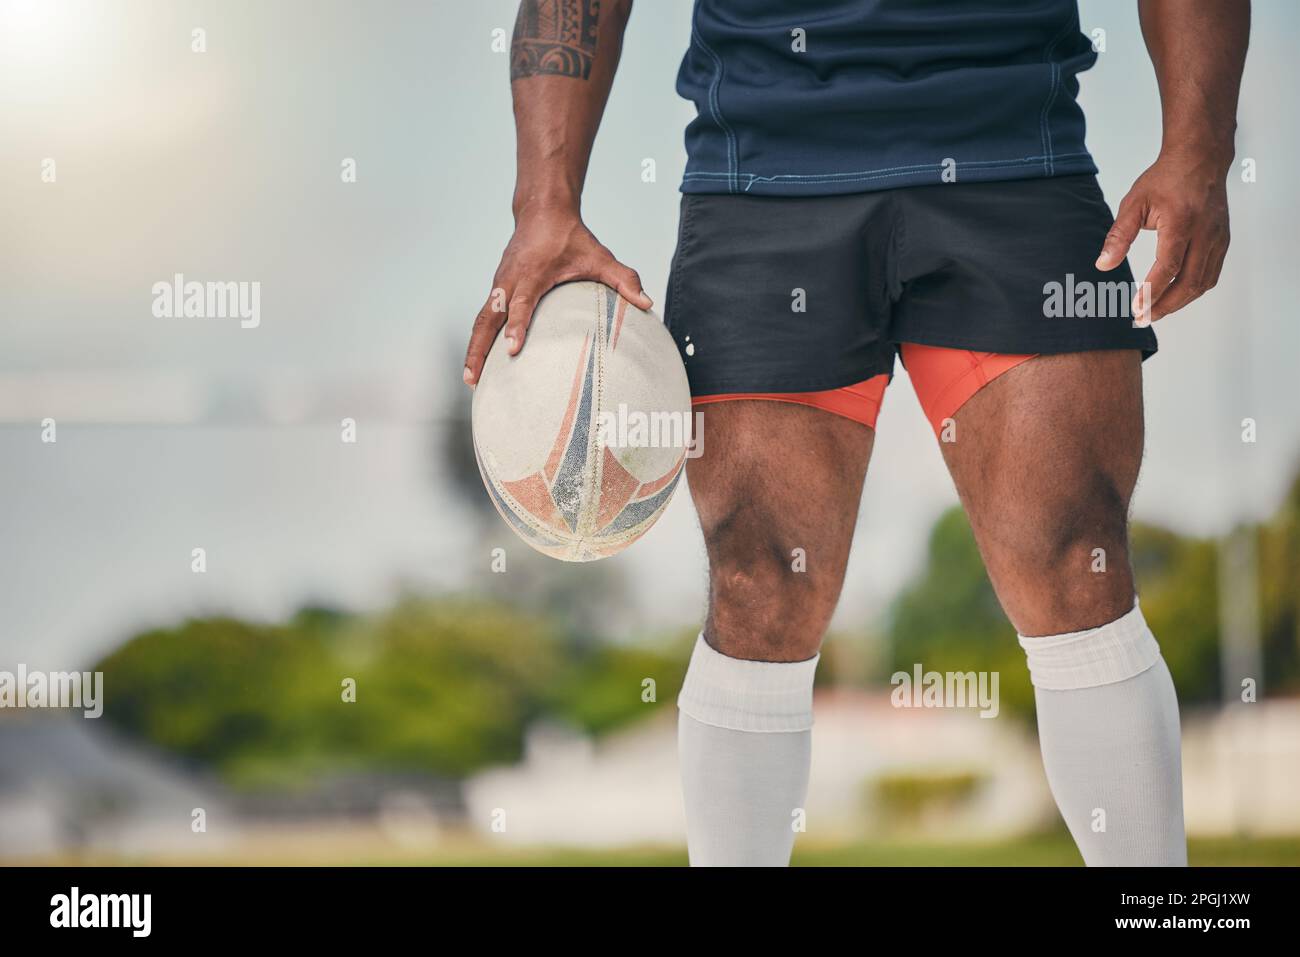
{"x": 948, "y": 619}
{"x": 906, "y": 798}
{"x": 594, "y": 692}
{"x": 1178, "y": 582}
{"x": 442, "y": 687}
{"x": 1279, "y": 563}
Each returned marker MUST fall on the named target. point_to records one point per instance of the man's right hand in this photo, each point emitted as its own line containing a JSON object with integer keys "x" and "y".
{"x": 549, "y": 247}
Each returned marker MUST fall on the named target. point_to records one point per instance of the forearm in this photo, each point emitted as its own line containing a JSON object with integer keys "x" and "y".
{"x": 1198, "y": 48}
{"x": 562, "y": 62}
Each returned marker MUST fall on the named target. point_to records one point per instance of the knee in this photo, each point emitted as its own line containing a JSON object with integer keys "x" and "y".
{"x": 765, "y": 602}
{"x": 1073, "y": 571}
{"x": 1087, "y": 532}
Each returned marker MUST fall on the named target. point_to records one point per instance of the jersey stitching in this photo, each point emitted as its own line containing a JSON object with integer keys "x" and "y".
{"x": 1044, "y": 128}
{"x": 885, "y": 172}
{"x": 715, "y": 108}
{"x": 1050, "y": 162}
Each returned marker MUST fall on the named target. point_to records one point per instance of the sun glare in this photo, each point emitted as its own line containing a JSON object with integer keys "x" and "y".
{"x": 39, "y": 32}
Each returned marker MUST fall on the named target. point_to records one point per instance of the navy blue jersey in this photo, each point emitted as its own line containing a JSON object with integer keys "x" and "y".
{"x": 807, "y": 97}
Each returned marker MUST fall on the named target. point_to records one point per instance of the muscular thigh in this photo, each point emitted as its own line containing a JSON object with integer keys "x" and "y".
{"x": 1045, "y": 460}
{"x": 777, "y": 492}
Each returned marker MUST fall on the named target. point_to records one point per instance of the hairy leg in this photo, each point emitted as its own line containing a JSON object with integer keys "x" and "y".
{"x": 777, "y": 490}
{"x": 1045, "y": 460}
{"x": 777, "y": 493}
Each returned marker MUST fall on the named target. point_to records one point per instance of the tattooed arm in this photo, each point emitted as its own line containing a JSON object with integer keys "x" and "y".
{"x": 562, "y": 62}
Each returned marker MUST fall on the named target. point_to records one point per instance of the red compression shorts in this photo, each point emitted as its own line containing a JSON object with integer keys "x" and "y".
{"x": 943, "y": 379}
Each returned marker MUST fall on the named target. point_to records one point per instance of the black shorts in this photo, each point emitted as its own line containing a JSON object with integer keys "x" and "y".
{"x": 772, "y": 294}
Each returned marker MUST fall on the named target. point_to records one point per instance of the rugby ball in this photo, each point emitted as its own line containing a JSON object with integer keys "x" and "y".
{"x": 581, "y": 437}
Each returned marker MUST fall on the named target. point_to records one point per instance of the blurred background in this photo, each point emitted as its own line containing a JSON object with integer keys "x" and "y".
{"x": 524, "y": 716}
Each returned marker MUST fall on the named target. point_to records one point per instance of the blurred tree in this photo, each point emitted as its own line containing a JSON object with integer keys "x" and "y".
{"x": 1177, "y": 579}
{"x": 949, "y": 619}
{"x": 443, "y": 687}
{"x": 1279, "y": 564}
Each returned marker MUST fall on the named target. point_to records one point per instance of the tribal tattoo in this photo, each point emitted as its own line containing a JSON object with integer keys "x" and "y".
{"x": 554, "y": 38}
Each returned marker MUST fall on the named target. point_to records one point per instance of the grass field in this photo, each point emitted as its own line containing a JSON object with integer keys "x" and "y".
{"x": 1054, "y": 850}
{"x": 1051, "y": 851}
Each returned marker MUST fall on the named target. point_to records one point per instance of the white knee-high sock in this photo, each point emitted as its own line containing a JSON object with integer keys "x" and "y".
{"x": 744, "y": 741}
{"x": 1109, "y": 733}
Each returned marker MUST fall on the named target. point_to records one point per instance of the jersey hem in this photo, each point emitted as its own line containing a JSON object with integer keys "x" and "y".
{"x": 869, "y": 181}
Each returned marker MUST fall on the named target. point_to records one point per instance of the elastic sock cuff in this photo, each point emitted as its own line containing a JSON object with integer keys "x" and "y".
{"x": 747, "y": 695}
{"x": 1097, "y": 656}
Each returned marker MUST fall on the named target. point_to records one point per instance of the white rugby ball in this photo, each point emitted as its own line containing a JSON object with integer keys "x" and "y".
{"x": 581, "y": 438}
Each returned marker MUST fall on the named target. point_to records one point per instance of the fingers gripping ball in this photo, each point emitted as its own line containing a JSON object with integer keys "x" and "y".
{"x": 581, "y": 437}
